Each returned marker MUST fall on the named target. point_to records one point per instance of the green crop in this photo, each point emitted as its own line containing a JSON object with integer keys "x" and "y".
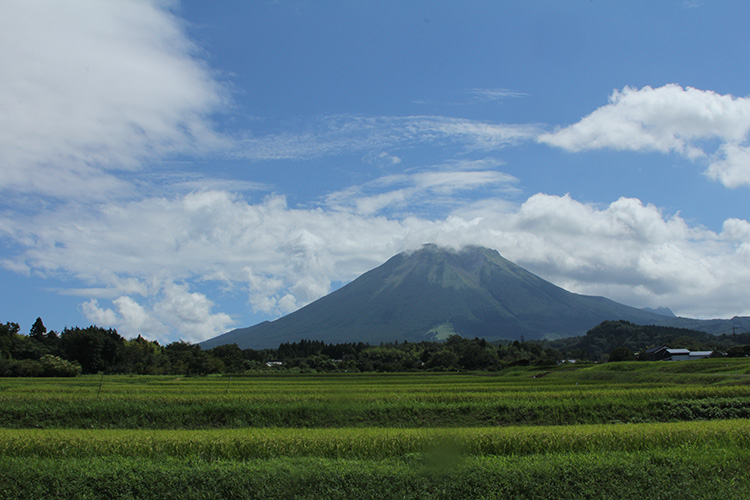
{"x": 673, "y": 473}
{"x": 435, "y": 400}
{"x": 371, "y": 443}
{"x": 621, "y": 430}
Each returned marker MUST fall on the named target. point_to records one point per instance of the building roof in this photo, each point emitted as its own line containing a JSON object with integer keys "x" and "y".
{"x": 678, "y": 352}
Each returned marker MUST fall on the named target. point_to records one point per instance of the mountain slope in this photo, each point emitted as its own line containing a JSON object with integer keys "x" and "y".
{"x": 421, "y": 295}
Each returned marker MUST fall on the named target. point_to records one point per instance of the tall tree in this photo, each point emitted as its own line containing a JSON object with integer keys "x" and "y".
{"x": 95, "y": 348}
{"x": 38, "y": 330}
{"x": 8, "y": 339}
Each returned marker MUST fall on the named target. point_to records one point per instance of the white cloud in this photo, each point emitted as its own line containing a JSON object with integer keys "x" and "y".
{"x": 98, "y": 315}
{"x": 134, "y": 319}
{"x": 88, "y": 88}
{"x": 191, "y": 312}
{"x": 173, "y": 309}
{"x": 631, "y": 252}
{"x": 686, "y": 121}
{"x": 130, "y": 318}
{"x": 737, "y": 230}
{"x": 731, "y": 166}
{"x": 282, "y": 258}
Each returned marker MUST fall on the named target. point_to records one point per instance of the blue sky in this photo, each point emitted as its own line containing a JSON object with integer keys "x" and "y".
{"x": 179, "y": 169}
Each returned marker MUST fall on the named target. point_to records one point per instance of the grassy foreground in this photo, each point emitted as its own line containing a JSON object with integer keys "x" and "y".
{"x": 622, "y": 430}
{"x": 685, "y": 474}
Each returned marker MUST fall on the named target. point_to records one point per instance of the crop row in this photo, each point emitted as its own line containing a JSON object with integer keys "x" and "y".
{"x": 444, "y": 388}
{"x": 371, "y": 443}
{"x": 673, "y": 473}
{"x": 609, "y": 376}
{"x": 213, "y": 413}
{"x": 209, "y": 390}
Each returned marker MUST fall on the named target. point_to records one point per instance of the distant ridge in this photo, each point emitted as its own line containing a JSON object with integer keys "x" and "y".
{"x": 664, "y": 311}
{"x": 433, "y": 292}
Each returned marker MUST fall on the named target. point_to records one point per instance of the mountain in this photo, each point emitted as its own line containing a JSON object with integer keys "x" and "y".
{"x": 432, "y": 293}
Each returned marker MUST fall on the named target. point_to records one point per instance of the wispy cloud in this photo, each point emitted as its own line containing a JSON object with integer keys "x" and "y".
{"x": 693, "y": 4}
{"x": 341, "y": 134}
{"x": 436, "y": 191}
{"x": 382, "y": 158}
{"x": 186, "y": 182}
{"x": 478, "y": 96}
{"x": 485, "y": 95}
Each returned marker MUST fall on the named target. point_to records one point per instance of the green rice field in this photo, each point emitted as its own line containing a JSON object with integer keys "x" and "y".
{"x": 618, "y": 430}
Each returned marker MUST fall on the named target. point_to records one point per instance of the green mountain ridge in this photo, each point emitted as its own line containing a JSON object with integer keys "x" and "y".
{"x": 428, "y": 293}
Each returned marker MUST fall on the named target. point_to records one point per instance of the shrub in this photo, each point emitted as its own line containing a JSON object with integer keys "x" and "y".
{"x": 54, "y": 366}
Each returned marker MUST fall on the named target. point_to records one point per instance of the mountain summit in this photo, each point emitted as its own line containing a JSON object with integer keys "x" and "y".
{"x": 432, "y": 293}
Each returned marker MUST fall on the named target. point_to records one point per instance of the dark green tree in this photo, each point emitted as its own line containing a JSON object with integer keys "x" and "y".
{"x": 8, "y": 339}
{"x": 13, "y": 345}
{"x": 621, "y": 353}
{"x": 550, "y": 357}
{"x": 231, "y": 356}
{"x": 38, "y": 330}
{"x": 190, "y": 359}
{"x": 473, "y": 354}
{"x": 143, "y": 357}
{"x": 442, "y": 360}
{"x": 386, "y": 359}
{"x": 95, "y": 348}
{"x": 739, "y": 351}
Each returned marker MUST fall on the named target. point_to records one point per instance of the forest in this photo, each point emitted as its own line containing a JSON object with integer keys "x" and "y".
{"x": 94, "y": 349}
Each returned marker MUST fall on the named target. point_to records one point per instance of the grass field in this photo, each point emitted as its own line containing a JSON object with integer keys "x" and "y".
{"x": 620, "y": 430}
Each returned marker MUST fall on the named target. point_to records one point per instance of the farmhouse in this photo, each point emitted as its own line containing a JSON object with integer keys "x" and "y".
{"x": 664, "y": 353}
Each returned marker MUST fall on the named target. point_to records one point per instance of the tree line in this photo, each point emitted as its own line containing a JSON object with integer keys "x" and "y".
{"x": 97, "y": 350}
